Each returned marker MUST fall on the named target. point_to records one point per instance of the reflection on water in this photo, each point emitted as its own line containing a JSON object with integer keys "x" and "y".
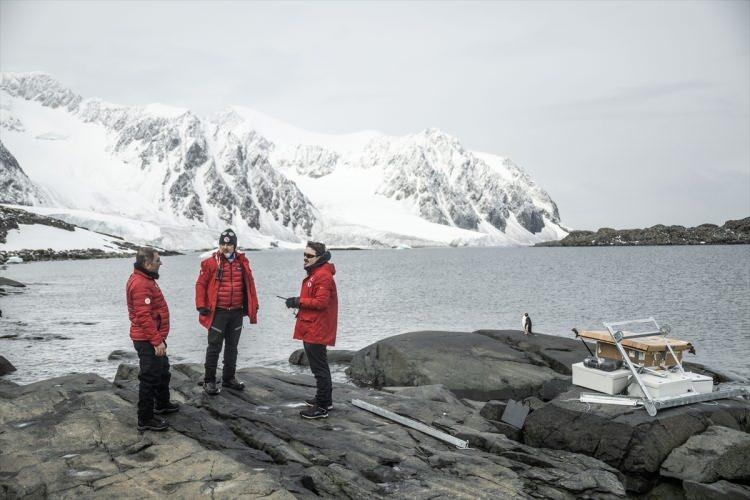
{"x": 72, "y": 313}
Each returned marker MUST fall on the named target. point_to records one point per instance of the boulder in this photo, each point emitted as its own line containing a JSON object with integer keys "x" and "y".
{"x": 119, "y": 354}
{"x": 717, "y": 453}
{"x": 6, "y": 366}
{"x": 480, "y": 365}
{"x": 624, "y": 437}
{"x": 335, "y": 356}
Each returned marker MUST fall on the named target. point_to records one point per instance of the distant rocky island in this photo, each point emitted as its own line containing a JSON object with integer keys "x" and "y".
{"x": 731, "y": 233}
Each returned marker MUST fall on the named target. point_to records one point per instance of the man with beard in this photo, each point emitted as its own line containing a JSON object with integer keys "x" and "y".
{"x": 317, "y": 320}
{"x": 224, "y": 294}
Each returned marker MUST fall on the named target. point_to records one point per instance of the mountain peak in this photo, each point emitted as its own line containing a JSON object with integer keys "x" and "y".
{"x": 41, "y": 87}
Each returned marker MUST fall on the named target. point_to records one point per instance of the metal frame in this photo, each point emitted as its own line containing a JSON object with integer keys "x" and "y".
{"x": 651, "y": 404}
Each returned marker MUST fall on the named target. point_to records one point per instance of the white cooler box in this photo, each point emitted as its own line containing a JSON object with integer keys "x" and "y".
{"x": 674, "y": 384}
{"x": 599, "y": 380}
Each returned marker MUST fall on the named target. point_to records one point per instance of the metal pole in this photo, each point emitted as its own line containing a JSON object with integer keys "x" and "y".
{"x": 458, "y": 443}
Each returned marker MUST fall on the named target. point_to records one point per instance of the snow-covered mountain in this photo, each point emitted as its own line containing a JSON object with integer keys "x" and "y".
{"x": 166, "y": 176}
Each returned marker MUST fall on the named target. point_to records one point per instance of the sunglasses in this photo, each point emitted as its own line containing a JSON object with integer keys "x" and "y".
{"x": 309, "y": 255}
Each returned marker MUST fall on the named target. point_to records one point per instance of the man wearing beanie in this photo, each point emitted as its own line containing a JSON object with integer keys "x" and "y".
{"x": 318, "y": 305}
{"x": 224, "y": 294}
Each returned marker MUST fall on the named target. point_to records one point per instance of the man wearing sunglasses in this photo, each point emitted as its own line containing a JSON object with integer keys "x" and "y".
{"x": 224, "y": 295}
{"x": 318, "y": 305}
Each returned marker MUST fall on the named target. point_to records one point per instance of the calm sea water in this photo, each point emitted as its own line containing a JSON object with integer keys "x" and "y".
{"x": 73, "y": 314}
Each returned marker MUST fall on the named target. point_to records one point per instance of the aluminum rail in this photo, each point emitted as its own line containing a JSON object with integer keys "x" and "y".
{"x": 431, "y": 431}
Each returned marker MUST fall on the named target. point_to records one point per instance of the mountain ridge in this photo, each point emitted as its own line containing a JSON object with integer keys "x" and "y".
{"x": 281, "y": 185}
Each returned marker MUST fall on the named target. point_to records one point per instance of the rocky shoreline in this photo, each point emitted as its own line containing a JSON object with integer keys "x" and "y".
{"x": 75, "y": 436}
{"x": 732, "y": 232}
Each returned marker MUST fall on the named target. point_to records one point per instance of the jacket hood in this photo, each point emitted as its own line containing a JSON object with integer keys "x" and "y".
{"x": 327, "y": 267}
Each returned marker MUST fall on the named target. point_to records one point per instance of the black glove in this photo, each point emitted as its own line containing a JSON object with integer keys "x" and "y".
{"x": 204, "y": 311}
{"x": 292, "y": 302}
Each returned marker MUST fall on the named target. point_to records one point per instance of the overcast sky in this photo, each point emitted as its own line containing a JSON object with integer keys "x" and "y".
{"x": 629, "y": 114}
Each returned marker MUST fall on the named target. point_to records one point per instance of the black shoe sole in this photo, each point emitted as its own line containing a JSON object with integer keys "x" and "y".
{"x": 151, "y": 428}
{"x": 314, "y": 417}
{"x": 234, "y": 388}
{"x": 162, "y": 412}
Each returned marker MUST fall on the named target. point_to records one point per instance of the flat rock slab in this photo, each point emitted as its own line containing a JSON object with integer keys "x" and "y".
{"x": 717, "y": 453}
{"x": 75, "y": 437}
{"x": 479, "y": 365}
{"x": 624, "y": 437}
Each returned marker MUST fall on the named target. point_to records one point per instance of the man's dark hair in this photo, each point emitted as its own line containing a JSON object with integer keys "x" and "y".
{"x": 320, "y": 248}
{"x": 145, "y": 255}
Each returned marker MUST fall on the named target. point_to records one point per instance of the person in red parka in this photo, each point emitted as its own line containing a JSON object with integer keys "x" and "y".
{"x": 317, "y": 319}
{"x": 224, "y": 294}
{"x": 149, "y": 327}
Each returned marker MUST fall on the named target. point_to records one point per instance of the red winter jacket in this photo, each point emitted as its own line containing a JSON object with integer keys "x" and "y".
{"x": 318, "y": 307}
{"x": 231, "y": 287}
{"x": 148, "y": 311}
{"x": 208, "y": 286}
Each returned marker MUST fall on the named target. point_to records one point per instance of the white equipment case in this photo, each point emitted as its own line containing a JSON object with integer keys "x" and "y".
{"x": 607, "y": 382}
{"x": 672, "y": 384}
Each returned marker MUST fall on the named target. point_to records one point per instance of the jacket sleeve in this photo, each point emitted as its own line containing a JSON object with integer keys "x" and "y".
{"x": 253, "y": 299}
{"x": 321, "y": 295}
{"x": 201, "y": 285}
{"x": 141, "y": 298}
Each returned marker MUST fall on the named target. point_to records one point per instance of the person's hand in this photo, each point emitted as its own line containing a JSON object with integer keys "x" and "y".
{"x": 204, "y": 311}
{"x": 292, "y": 302}
{"x": 161, "y": 349}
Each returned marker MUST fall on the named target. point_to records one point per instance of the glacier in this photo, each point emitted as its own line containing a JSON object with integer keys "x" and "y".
{"x": 162, "y": 175}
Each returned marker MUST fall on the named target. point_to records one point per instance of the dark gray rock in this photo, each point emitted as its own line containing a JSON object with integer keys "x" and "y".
{"x": 335, "y": 356}
{"x": 507, "y": 430}
{"x": 493, "y": 410}
{"x": 427, "y": 392}
{"x": 75, "y": 436}
{"x": 119, "y": 354}
{"x": 533, "y": 403}
{"x": 665, "y": 491}
{"x": 717, "y": 453}
{"x": 481, "y": 365}
{"x": 553, "y": 388}
{"x": 9, "y": 282}
{"x": 627, "y": 438}
{"x": 720, "y": 490}
{"x": 6, "y": 366}
{"x": 557, "y": 353}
